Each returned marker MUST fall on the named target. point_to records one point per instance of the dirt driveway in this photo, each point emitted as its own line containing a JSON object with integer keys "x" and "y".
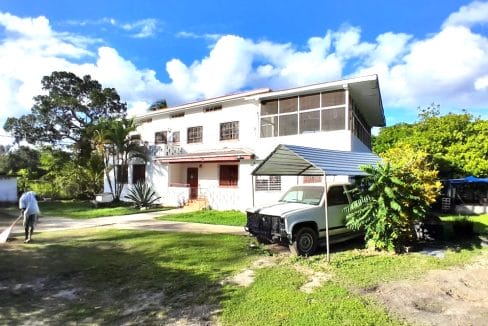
{"x": 141, "y": 221}
{"x": 455, "y": 296}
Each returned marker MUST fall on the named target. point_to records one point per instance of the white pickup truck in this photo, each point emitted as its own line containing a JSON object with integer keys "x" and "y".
{"x": 298, "y": 219}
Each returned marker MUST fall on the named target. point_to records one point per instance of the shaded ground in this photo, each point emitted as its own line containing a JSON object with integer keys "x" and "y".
{"x": 115, "y": 277}
{"x": 456, "y": 296}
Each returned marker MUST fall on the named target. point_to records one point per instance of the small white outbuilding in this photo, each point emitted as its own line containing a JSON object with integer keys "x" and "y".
{"x": 8, "y": 189}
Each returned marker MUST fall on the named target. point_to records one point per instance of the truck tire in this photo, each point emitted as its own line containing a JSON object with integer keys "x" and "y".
{"x": 304, "y": 242}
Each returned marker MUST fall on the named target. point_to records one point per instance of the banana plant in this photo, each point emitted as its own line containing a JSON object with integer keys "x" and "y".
{"x": 386, "y": 205}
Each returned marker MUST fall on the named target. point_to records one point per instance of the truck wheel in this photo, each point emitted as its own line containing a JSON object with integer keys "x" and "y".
{"x": 304, "y": 242}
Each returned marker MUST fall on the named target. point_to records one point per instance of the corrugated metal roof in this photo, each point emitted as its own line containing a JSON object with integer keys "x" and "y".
{"x": 299, "y": 160}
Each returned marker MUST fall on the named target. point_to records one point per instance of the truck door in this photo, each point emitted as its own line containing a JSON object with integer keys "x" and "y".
{"x": 336, "y": 201}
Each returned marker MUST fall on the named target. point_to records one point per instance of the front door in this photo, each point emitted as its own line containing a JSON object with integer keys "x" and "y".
{"x": 192, "y": 181}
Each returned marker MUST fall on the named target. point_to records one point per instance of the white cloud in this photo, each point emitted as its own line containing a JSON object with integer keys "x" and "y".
{"x": 348, "y": 44}
{"x": 481, "y": 83}
{"x": 208, "y": 36}
{"x": 226, "y": 68}
{"x": 235, "y": 63}
{"x": 389, "y": 48}
{"x": 133, "y": 84}
{"x": 33, "y": 27}
{"x": 139, "y": 29}
{"x": 442, "y": 68}
{"x": 86, "y": 22}
{"x": 448, "y": 67}
{"x": 474, "y": 13}
{"x": 31, "y": 49}
{"x": 142, "y": 28}
{"x": 138, "y": 107}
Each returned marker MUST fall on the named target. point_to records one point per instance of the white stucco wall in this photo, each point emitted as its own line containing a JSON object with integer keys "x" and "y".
{"x": 8, "y": 189}
{"x": 162, "y": 176}
{"x": 245, "y": 113}
{"x": 248, "y": 116}
{"x": 357, "y": 145}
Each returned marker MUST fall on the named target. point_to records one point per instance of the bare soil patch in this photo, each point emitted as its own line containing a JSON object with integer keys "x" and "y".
{"x": 315, "y": 280}
{"x": 456, "y": 296}
{"x": 246, "y": 276}
{"x": 47, "y": 300}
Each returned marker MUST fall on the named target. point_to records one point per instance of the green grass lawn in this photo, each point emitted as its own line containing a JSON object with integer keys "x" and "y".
{"x": 115, "y": 277}
{"x": 137, "y": 277}
{"x": 118, "y": 277}
{"x": 234, "y": 218}
{"x": 79, "y": 209}
{"x": 85, "y": 210}
{"x": 275, "y": 299}
{"x": 362, "y": 268}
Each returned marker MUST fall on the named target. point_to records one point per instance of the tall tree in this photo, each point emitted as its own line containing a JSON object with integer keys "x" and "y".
{"x": 3, "y": 164}
{"x": 25, "y": 158}
{"x": 418, "y": 165}
{"x": 70, "y": 106}
{"x": 457, "y": 143}
{"x": 158, "y": 105}
{"x": 24, "y": 163}
{"x": 4, "y": 159}
{"x": 52, "y": 161}
{"x": 4, "y": 149}
{"x": 391, "y": 136}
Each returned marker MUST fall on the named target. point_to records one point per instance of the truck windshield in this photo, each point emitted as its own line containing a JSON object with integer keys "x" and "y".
{"x": 303, "y": 195}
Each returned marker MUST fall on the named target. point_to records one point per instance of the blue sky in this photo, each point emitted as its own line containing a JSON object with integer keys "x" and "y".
{"x": 423, "y": 51}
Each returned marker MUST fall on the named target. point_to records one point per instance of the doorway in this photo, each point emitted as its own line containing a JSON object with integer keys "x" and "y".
{"x": 192, "y": 181}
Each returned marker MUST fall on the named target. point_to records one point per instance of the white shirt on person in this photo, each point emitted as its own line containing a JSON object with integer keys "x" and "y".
{"x": 28, "y": 203}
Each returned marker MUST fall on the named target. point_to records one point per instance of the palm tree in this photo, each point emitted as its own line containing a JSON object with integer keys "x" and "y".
{"x": 112, "y": 140}
{"x": 159, "y": 104}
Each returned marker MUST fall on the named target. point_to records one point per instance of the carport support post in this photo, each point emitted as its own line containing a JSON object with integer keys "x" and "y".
{"x": 326, "y": 218}
{"x": 252, "y": 189}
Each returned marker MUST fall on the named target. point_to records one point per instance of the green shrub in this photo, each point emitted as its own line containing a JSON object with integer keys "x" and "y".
{"x": 388, "y": 204}
{"x": 142, "y": 195}
{"x": 42, "y": 189}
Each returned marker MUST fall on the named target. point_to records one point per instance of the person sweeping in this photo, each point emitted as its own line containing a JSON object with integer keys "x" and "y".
{"x": 30, "y": 210}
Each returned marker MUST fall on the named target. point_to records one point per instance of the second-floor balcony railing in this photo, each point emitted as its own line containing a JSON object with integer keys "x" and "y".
{"x": 165, "y": 150}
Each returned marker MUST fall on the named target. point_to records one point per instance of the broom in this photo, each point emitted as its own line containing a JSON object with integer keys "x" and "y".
{"x": 4, "y": 235}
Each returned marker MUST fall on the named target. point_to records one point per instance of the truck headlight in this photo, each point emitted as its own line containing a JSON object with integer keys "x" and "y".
{"x": 282, "y": 224}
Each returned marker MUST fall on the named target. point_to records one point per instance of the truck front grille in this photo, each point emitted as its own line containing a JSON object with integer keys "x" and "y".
{"x": 263, "y": 226}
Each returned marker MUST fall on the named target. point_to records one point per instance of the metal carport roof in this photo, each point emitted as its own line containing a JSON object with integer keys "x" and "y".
{"x": 299, "y": 160}
{"x": 470, "y": 179}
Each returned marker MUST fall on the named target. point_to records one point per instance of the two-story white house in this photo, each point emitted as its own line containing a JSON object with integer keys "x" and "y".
{"x": 208, "y": 149}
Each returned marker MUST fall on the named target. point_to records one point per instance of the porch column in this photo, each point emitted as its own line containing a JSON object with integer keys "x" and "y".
{"x": 326, "y": 206}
